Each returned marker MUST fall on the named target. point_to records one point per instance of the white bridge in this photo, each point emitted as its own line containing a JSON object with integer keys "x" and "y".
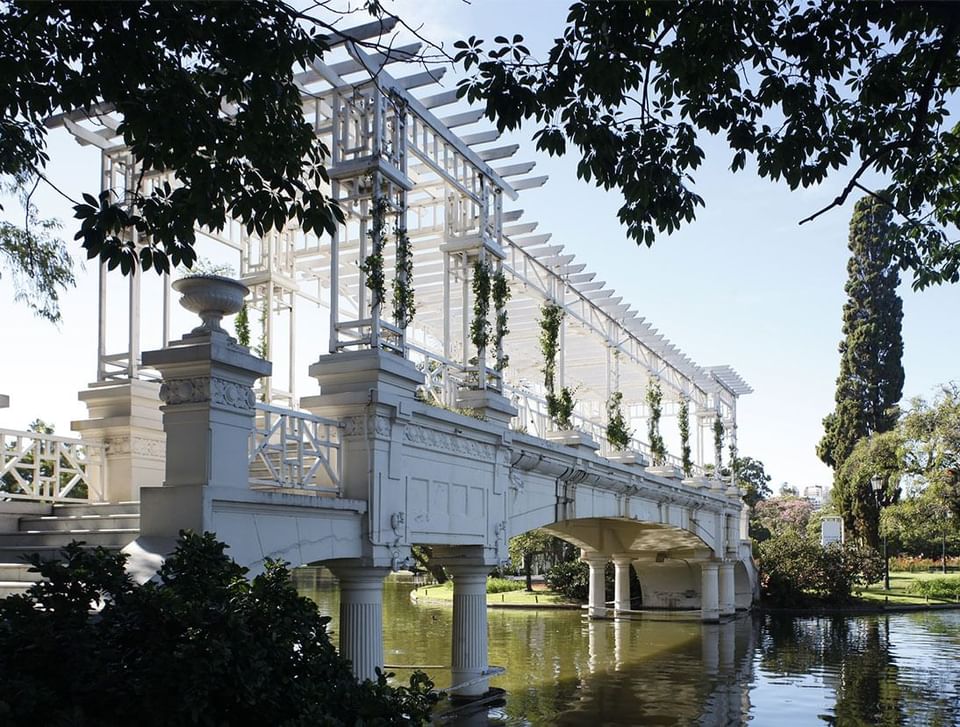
{"x": 426, "y": 426}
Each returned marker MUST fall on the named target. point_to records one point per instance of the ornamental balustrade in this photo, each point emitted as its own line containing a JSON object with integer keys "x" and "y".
{"x": 48, "y": 468}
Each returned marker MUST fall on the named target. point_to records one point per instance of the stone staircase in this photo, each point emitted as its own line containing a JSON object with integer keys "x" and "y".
{"x": 46, "y": 529}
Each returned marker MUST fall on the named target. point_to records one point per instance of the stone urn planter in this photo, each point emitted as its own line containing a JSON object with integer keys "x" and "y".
{"x": 211, "y": 297}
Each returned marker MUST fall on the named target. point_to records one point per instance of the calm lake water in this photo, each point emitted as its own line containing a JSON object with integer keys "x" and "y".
{"x": 563, "y": 670}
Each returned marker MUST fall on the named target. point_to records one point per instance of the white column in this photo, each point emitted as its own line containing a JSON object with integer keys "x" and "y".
{"x": 596, "y": 599}
{"x": 361, "y": 616}
{"x": 621, "y": 590}
{"x": 470, "y": 655}
{"x": 728, "y": 604}
{"x": 709, "y": 591}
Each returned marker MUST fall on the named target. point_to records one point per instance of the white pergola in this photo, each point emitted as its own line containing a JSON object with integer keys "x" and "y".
{"x": 456, "y": 188}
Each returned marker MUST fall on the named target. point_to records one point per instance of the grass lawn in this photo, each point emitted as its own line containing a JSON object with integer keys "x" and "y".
{"x": 899, "y": 582}
{"x": 547, "y": 599}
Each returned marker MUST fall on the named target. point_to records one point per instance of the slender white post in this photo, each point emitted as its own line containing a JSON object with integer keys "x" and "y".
{"x": 596, "y": 600}
{"x": 709, "y": 592}
{"x": 728, "y": 605}
{"x": 361, "y": 616}
{"x": 470, "y": 652}
{"x": 621, "y": 573}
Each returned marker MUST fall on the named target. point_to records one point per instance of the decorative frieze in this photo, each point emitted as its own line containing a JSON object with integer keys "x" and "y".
{"x": 136, "y": 446}
{"x": 364, "y": 425}
{"x": 201, "y": 389}
{"x": 433, "y": 439}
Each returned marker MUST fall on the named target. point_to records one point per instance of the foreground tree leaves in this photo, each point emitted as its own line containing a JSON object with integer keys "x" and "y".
{"x": 803, "y": 88}
{"x": 203, "y": 646}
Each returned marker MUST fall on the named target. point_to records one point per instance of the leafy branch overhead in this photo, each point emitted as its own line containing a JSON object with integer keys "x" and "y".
{"x": 262, "y": 164}
{"x": 801, "y": 89}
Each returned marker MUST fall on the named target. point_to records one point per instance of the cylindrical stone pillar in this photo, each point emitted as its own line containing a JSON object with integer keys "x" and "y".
{"x": 469, "y": 629}
{"x": 728, "y": 602}
{"x": 621, "y": 582}
{"x": 361, "y": 617}
{"x": 709, "y": 592}
{"x": 596, "y": 597}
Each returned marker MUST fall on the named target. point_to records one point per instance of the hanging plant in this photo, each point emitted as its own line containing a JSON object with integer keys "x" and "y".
{"x": 241, "y": 325}
{"x": 560, "y": 407}
{"x": 404, "y": 306}
{"x": 658, "y": 451}
{"x": 684, "y": 421}
{"x": 501, "y": 294}
{"x": 718, "y": 443}
{"x": 372, "y": 264}
{"x": 551, "y": 316}
{"x": 480, "y": 326}
{"x": 617, "y": 432}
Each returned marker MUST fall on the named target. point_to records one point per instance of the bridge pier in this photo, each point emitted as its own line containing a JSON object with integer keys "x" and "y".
{"x": 709, "y": 592}
{"x": 470, "y": 653}
{"x": 621, "y": 583}
{"x": 596, "y": 599}
{"x": 361, "y": 615}
{"x": 728, "y": 597}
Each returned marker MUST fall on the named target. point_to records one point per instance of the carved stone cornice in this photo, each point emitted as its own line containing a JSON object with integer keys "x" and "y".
{"x": 433, "y": 439}
{"x": 220, "y": 393}
{"x": 137, "y": 446}
{"x": 366, "y": 425}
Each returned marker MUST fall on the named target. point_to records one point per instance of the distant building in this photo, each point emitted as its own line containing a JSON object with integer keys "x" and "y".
{"x": 816, "y": 494}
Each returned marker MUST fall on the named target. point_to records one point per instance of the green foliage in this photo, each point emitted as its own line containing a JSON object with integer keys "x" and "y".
{"x": 404, "y": 305}
{"x": 718, "y": 440}
{"x": 778, "y": 515}
{"x": 35, "y": 259}
{"x": 931, "y": 446}
{"x": 752, "y": 479}
{"x": 372, "y": 264}
{"x": 618, "y": 434}
{"x": 263, "y": 350}
{"x": 241, "y": 325}
{"x": 263, "y": 166}
{"x": 551, "y": 318}
{"x": 946, "y": 588}
{"x": 871, "y": 375}
{"x": 658, "y": 450}
{"x": 480, "y": 326}
{"x": 683, "y": 421}
{"x": 571, "y": 579}
{"x": 204, "y": 646}
{"x": 524, "y": 547}
{"x": 853, "y": 495}
{"x": 560, "y": 407}
{"x": 796, "y": 569}
{"x": 503, "y": 585}
{"x": 501, "y": 296}
{"x": 803, "y": 89}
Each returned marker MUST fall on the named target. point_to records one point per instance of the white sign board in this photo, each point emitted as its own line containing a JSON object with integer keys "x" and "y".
{"x": 831, "y": 530}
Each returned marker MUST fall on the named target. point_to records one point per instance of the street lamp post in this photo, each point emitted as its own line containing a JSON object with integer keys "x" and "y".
{"x": 876, "y": 482}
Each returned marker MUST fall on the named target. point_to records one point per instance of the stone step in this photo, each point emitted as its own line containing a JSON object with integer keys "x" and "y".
{"x": 18, "y": 572}
{"x": 11, "y": 588}
{"x": 107, "y": 537}
{"x": 104, "y": 508}
{"x": 58, "y": 523}
{"x": 16, "y": 552}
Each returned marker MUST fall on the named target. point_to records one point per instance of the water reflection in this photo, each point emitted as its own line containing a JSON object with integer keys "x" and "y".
{"x": 562, "y": 670}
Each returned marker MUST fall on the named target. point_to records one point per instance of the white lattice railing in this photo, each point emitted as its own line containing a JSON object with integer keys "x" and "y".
{"x": 294, "y": 450}
{"x": 45, "y": 467}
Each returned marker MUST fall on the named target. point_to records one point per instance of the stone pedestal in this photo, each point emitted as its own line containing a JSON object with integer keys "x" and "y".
{"x": 124, "y": 418}
{"x": 666, "y": 471}
{"x": 621, "y": 572}
{"x": 709, "y": 592}
{"x": 361, "y": 616}
{"x": 208, "y": 415}
{"x": 596, "y": 598}
{"x": 470, "y": 652}
{"x": 727, "y": 595}
{"x": 627, "y": 457}
{"x": 575, "y": 439}
{"x": 488, "y": 404}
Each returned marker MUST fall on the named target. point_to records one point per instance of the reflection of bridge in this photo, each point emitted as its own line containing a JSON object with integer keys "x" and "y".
{"x": 378, "y": 461}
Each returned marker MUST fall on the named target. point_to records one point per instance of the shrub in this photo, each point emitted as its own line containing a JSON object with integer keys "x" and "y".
{"x": 796, "y": 569}
{"x": 947, "y": 589}
{"x": 503, "y": 585}
{"x": 572, "y": 580}
{"x": 203, "y": 646}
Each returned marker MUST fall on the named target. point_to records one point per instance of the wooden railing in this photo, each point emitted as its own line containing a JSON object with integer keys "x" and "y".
{"x": 48, "y": 468}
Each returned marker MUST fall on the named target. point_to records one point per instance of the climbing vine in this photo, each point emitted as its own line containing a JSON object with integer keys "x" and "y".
{"x": 501, "y": 294}
{"x": 684, "y": 422}
{"x": 480, "y": 326}
{"x": 658, "y": 450}
{"x": 241, "y": 325}
{"x": 372, "y": 264}
{"x": 560, "y": 407}
{"x": 263, "y": 350}
{"x": 404, "y": 306}
{"x": 551, "y": 316}
{"x": 718, "y": 441}
{"x": 617, "y": 432}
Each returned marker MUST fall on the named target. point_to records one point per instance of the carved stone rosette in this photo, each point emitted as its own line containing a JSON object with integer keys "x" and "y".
{"x": 218, "y": 392}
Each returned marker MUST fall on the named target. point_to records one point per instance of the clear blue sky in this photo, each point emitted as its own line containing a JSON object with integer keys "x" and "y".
{"x": 744, "y": 285}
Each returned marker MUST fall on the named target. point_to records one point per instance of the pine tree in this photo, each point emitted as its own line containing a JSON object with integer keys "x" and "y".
{"x": 870, "y": 383}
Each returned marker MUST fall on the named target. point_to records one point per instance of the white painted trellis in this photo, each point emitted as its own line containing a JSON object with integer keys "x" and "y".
{"x": 448, "y": 184}
{"x": 48, "y": 468}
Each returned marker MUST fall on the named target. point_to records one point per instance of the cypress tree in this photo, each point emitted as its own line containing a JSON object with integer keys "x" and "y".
{"x": 870, "y": 383}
